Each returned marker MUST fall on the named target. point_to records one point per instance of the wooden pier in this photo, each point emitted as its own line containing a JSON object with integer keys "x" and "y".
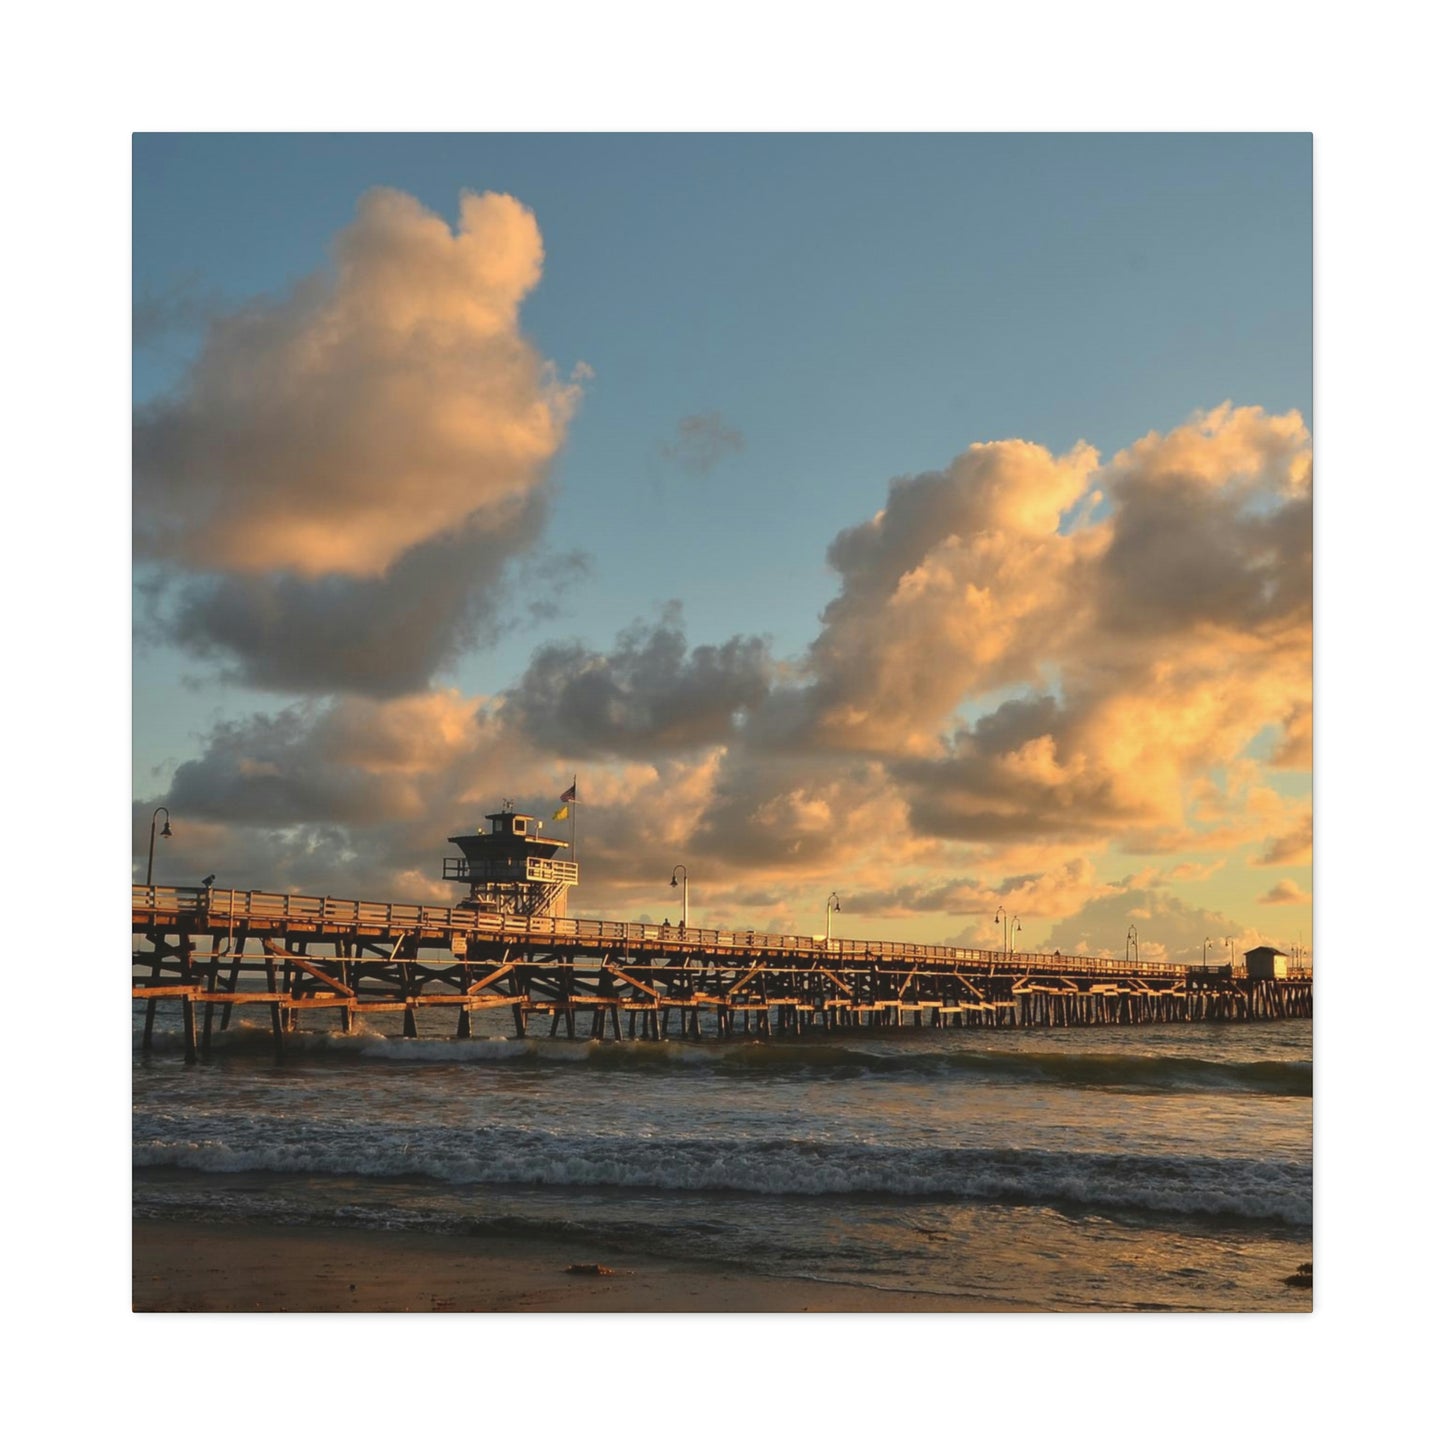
{"x": 213, "y": 950}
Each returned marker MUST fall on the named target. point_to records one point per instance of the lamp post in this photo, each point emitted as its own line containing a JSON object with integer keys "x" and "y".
{"x": 999, "y": 916}
{"x": 831, "y": 907}
{"x": 683, "y": 871}
{"x": 1013, "y": 931}
{"x": 165, "y": 833}
{"x": 1230, "y": 942}
{"x": 1131, "y": 938}
{"x": 1205, "y": 960}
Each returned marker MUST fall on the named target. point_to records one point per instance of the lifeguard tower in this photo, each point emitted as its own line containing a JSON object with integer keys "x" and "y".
{"x": 512, "y": 868}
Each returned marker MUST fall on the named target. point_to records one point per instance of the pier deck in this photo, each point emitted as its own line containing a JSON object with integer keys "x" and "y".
{"x": 216, "y": 949}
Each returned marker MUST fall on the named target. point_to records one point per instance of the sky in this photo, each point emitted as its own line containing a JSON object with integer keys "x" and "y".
{"x": 923, "y": 518}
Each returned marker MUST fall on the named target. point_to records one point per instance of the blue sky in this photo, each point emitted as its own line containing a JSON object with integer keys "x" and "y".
{"x": 831, "y": 312}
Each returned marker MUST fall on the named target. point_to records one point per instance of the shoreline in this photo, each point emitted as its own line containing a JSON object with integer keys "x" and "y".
{"x": 187, "y": 1267}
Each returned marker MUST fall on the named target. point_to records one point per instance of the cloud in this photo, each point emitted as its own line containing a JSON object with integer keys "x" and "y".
{"x": 317, "y": 859}
{"x": 1048, "y": 892}
{"x": 354, "y": 762}
{"x": 794, "y": 815}
{"x": 1285, "y": 891}
{"x": 942, "y": 895}
{"x": 702, "y": 442}
{"x": 649, "y": 694}
{"x": 1194, "y": 872}
{"x": 371, "y": 446}
{"x": 1294, "y": 847}
{"x": 1166, "y": 927}
{"x": 357, "y": 797}
{"x": 1223, "y": 809}
{"x": 1212, "y": 528}
{"x": 991, "y": 706}
{"x": 1147, "y": 645}
{"x": 964, "y": 583}
{"x": 1296, "y": 747}
{"x": 181, "y": 306}
{"x": 381, "y": 636}
{"x": 352, "y": 796}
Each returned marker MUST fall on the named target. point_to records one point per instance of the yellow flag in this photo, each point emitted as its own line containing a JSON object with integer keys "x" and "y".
{"x": 561, "y": 813}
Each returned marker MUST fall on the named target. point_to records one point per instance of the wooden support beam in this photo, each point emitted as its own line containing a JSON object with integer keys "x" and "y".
{"x": 491, "y": 978}
{"x": 636, "y": 983}
{"x": 188, "y": 1016}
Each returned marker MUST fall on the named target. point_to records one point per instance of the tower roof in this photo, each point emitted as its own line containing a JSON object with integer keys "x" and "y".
{"x": 504, "y": 830}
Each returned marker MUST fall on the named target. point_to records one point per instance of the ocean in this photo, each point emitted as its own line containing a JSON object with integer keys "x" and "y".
{"x": 1116, "y": 1168}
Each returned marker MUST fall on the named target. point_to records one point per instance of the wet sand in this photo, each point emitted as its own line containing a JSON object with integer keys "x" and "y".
{"x": 199, "y": 1267}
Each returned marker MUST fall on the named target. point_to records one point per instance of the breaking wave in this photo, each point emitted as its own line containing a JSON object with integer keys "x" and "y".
{"x": 1176, "y": 1185}
{"x": 1144, "y": 1072}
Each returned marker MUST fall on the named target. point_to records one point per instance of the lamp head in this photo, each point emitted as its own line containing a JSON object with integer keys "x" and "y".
{"x": 166, "y": 831}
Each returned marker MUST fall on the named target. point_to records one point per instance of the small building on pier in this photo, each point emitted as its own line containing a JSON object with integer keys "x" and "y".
{"x": 512, "y": 868}
{"x": 1266, "y": 962}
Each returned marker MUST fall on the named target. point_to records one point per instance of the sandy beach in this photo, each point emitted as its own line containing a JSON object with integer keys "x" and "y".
{"x": 179, "y": 1267}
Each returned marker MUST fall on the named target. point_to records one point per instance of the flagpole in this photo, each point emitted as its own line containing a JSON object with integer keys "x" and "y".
{"x": 574, "y": 820}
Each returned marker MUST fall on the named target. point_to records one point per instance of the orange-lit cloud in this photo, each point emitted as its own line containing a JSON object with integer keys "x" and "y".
{"x": 354, "y": 762}
{"x": 962, "y": 584}
{"x": 1285, "y": 891}
{"x": 1164, "y": 927}
{"x": 1184, "y": 634}
{"x": 1294, "y": 847}
{"x": 1296, "y": 747}
{"x": 369, "y": 410}
{"x": 1194, "y": 872}
{"x": 335, "y": 488}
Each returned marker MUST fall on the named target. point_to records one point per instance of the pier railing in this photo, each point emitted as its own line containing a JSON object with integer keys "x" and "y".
{"x": 506, "y": 870}
{"x": 233, "y": 908}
